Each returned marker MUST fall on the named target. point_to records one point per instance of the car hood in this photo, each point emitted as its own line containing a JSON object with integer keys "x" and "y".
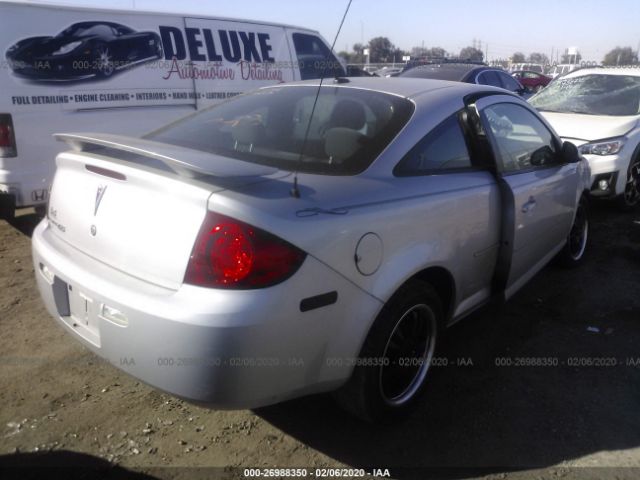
{"x": 590, "y": 127}
{"x": 41, "y": 46}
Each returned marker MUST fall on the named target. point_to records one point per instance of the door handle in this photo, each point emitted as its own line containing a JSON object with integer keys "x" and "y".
{"x": 530, "y": 205}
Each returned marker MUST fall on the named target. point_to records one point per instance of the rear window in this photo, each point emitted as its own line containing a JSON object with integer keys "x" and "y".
{"x": 349, "y": 129}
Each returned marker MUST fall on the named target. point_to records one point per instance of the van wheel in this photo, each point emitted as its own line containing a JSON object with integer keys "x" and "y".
{"x": 7, "y": 208}
{"x": 574, "y": 251}
{"x": 630, "y": 199}
{"x": 392, "y": 368}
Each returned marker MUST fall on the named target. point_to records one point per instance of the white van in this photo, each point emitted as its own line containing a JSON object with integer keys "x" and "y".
{"x": 562, "y": 69}
{"x": 66, "y": 69}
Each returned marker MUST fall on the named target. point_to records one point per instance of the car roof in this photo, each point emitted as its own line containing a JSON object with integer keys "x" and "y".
{"x": 628, "y": 71}
{"x": 410, "y": 88}
{"x": 445, "y": 71}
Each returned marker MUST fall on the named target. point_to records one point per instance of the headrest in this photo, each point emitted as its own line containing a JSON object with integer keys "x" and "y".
{"x": 341, "y": 143}
{"x": 348, "y": 114}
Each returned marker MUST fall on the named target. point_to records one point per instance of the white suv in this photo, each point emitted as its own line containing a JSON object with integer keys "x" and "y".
{"x": 598, "y": 110}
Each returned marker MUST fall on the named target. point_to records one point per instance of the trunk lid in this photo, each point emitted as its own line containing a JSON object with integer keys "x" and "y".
{"x": 132, "y": 211}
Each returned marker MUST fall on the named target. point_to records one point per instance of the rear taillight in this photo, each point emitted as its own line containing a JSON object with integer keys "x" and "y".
{"x": 232, "y": 254}
{"x": 7, "y": 136}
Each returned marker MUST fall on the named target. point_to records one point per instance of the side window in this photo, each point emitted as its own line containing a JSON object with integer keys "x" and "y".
{"x": 509, "y": 83}
{"x": 315, "y": 58}
{"x": 489, "y": 78}
{"x": 444, "y": 148}
{"x": 523, "y": 141}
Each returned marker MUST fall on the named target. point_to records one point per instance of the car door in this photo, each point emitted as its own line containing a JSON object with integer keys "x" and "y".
{"x": 538, "y": 188}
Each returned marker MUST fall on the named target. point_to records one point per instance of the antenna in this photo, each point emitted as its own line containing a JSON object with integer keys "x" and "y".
{"x": 295, "y": 192}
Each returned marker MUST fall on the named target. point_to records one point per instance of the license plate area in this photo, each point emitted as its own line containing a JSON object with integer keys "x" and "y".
{"x": 78, "y": 310}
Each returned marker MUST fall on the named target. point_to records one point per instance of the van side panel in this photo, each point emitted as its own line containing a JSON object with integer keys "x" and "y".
{"x": 80, "y": 70}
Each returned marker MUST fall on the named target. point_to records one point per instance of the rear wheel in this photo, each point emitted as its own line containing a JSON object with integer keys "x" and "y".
{"x": 394, "y": 361}
{"x": 573, "y": 253}
{"x": 630, "y": 199}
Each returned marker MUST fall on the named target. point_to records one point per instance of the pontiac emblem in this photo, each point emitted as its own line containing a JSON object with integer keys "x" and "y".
{"x": 99, "y": 195}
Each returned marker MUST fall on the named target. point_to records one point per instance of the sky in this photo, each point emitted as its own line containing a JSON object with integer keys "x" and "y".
{"x": 502, "y": 26}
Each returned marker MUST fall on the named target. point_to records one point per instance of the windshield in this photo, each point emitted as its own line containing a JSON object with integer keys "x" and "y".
{"x": 592, "y": 95}
{"x": 86, "y": 30}
{"x": 349, "y": 129}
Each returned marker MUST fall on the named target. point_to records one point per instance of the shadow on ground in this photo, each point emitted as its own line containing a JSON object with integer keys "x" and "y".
{"x": 62, "y": 464}
{"x": 500, "y": 415}
{"x": 25, "y": 221}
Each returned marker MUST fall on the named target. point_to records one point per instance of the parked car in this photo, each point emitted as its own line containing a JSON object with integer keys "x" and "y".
{"x": 562, "y": 69}
{"x": 532, "y": 81}
{"x": 467, "y": 72}
{"x": 388, "y": 71}
{"x": 530, "y": 67}
{"x": 298, "y": 240}
{"x": 598, "y": 110}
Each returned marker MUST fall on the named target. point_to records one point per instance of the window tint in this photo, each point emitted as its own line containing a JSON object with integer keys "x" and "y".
{"x": 443, "y": 148}
{"x": 314, "y": 58}
{"x": 523, "y": 141}
{"x": 273, "y": 126}
{"x": 509, "y": 83}
{"x": 489, "y": 78}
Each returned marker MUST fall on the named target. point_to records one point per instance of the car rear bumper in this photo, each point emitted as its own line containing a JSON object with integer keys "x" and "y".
{"x": 227, "y": 349}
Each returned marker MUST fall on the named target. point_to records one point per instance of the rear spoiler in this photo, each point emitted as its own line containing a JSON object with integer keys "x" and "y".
{"x": 183, "y": 161}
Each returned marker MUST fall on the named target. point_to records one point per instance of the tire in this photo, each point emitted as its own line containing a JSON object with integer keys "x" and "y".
{"x": 7, "y": 208}
{"x": 630, "y": 199}
{"x": 403, "y": 340}
{"x": 574, "y": 252}
{"x": 41, "y": 211}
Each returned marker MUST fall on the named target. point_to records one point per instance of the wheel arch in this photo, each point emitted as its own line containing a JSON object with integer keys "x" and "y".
{"x": 443, "y": 283}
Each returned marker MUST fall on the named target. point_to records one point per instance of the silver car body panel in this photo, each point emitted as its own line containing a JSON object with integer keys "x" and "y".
{"x": 145, "y": 229}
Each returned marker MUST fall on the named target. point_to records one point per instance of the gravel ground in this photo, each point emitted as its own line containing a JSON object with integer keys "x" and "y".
{"x": 480, "y": 417}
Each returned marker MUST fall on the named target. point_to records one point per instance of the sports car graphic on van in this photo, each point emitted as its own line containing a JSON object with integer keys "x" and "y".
{"x": 83, "y": 50}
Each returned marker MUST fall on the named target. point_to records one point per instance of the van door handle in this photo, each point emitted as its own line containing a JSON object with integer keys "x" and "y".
{"x": 530, "y": 205}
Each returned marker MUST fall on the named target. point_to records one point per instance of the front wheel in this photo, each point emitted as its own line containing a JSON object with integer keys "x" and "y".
{"x": 574, "y": 251}
{"x": 392, "y": 368}
{"x": 630, "y": 199}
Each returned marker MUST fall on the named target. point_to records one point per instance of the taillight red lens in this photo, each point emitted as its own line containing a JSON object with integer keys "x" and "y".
{"x": 5, "y": 135}
{"x": 232, "y": 254}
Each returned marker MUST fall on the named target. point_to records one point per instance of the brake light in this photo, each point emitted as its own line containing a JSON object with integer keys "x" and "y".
{"x": 232, "y": 254}
{"x": 7, "y": 137}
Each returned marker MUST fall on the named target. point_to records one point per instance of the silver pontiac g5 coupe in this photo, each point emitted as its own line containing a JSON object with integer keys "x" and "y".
{"x": 303, "y": 239}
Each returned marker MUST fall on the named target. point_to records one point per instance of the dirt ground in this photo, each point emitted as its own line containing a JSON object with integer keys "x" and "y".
{"x": 482, "y": 418}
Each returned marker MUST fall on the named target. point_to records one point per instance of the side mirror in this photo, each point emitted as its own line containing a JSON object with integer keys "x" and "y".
{"x": 570, "y": 153}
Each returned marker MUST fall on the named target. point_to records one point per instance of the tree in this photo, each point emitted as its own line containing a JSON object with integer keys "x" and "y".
{"x": 540, "y": 58}
{"x": 518, "y": 57}
{"x": 471, "y": 53}
{"x": 381, "y": 50}
{"x": 566, "y": 58}
{"x": 621, "y": 56}
{"x": 433, "y": 53}
{"x": 358, "y": 54}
